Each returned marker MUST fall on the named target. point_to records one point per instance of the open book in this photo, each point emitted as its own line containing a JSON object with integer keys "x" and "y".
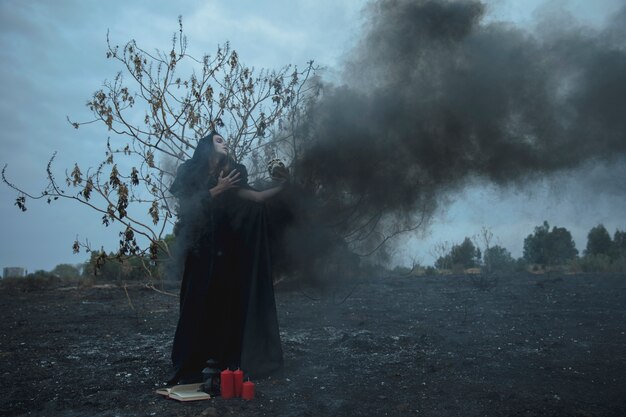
{"x": 189, "y": 392}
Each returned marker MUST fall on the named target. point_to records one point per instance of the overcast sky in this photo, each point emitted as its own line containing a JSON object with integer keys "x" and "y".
{"x": 53, "y": 59}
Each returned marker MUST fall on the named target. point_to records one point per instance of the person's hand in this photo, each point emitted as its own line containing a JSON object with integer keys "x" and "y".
{"x": 225, "y": 183}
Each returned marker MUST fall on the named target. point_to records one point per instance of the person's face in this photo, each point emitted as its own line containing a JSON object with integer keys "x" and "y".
{"x": 219, "y": 144}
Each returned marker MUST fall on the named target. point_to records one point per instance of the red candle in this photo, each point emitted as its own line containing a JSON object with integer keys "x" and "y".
{"x": 247, "y": 392}
{"x": 238, "y": 380}
{"x": 227, "y": 384}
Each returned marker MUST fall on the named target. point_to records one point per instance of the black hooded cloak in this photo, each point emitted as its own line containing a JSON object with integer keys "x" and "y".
{"x": 227, "y": 306}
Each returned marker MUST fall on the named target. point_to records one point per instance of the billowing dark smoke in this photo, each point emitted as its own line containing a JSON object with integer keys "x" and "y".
{"x": 433, "y": 96}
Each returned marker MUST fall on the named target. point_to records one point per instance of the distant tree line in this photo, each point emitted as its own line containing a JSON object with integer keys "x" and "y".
{"x": 545, "y": 249}
{"x": 110, "y": 267}
{"x": 603, "y": 253}
{"x": 113, "y": 267}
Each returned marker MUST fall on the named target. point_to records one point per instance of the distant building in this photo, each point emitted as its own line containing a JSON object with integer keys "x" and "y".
{"x": 14, "y": 272}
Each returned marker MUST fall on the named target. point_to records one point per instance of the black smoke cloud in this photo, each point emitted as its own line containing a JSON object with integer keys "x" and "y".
{"x": 433, "y": 96}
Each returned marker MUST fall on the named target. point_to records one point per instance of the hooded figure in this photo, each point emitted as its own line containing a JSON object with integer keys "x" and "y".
{"x": 227, "y": 306}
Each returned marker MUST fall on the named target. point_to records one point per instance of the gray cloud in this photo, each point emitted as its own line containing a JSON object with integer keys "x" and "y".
{"x": 53, "y": 59}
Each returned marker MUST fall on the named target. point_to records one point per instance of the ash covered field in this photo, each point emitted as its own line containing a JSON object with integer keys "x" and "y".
{"x": 514, "y": 345}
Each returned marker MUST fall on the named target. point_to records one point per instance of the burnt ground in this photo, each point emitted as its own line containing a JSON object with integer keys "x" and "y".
{"x": 517, "y": 345}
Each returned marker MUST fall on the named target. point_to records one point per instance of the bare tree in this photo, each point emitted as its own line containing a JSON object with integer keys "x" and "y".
{"x": 440, "y": 251}
{"x": 484, "y": 239}
{"x": 157, "y": 117}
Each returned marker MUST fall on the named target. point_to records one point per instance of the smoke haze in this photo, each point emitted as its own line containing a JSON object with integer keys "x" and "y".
{"x": 433, "y": 97}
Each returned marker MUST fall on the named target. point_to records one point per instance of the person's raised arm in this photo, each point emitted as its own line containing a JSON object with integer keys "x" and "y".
{"x": 260, "y": 196}
{"x": 281, "y": 175}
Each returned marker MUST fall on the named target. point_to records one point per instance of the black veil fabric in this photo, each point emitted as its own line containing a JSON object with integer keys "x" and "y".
{"x": 227, "y": 305}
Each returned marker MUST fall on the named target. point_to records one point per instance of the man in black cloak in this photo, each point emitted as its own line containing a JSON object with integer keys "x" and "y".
{"x": 227, "y": 306}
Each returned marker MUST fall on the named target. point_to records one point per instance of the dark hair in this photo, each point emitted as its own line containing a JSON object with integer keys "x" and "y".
{"x": 202, "y": 154}
{"x": 194, "y": 172}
